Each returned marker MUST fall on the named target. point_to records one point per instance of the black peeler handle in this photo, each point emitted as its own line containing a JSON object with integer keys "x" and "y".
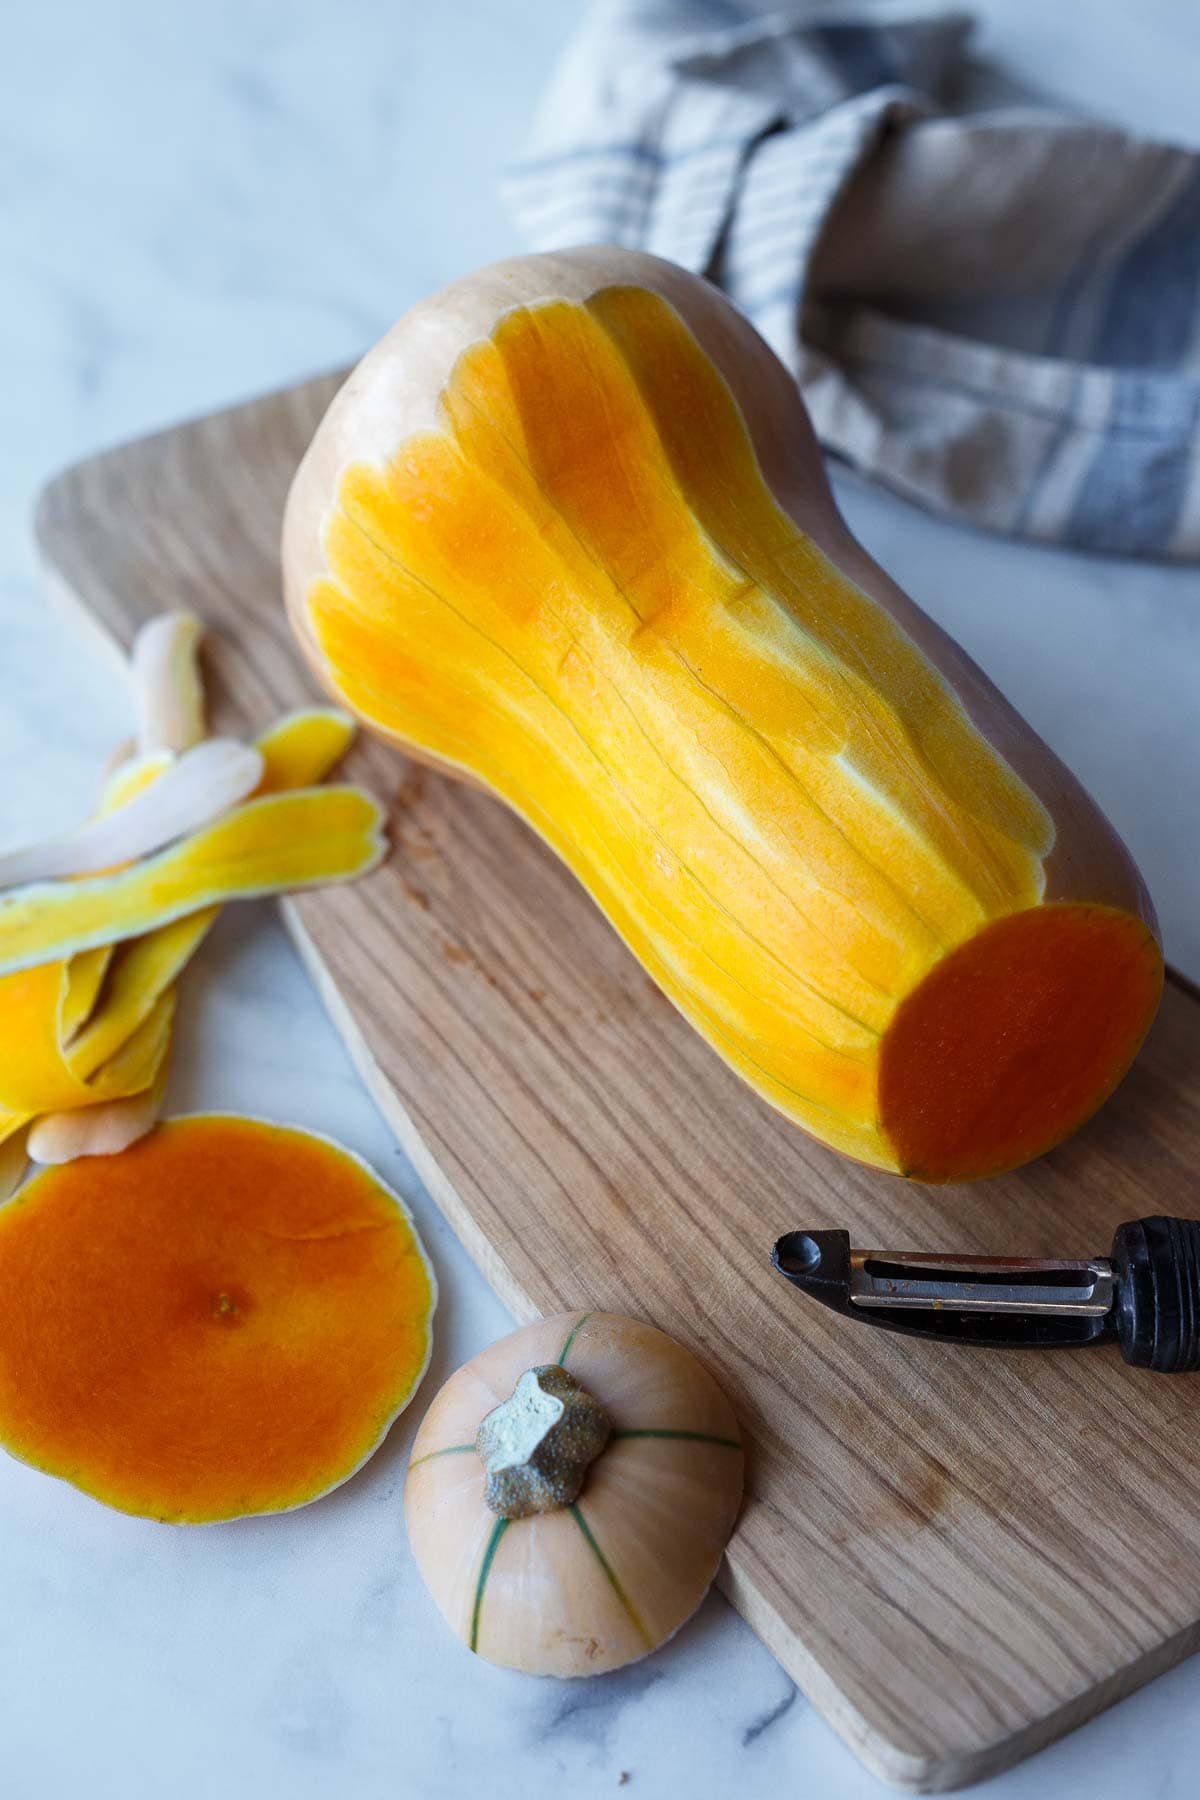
{"x": 1156, "y": 1307}
{"x": 1150, "y": 1280}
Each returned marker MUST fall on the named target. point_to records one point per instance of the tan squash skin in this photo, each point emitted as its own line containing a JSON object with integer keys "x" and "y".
{"x": 880, "y": 1114}
{"x": 659, "y": 1509}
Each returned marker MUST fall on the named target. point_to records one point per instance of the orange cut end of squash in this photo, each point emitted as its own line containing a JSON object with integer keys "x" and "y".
{"x": 224, "y": 1320}
{"x": 1015, "y": 1039}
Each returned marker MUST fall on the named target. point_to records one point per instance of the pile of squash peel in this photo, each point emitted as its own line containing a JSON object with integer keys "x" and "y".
{"x": 97, "y": 927}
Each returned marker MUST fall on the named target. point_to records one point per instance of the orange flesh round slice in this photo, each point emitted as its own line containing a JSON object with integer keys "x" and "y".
{"x": 223, "y": 1320}
{"x": 1015, "y": 1039}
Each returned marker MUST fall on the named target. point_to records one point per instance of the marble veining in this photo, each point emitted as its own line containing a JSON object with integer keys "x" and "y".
{"x": 199, "y": 203}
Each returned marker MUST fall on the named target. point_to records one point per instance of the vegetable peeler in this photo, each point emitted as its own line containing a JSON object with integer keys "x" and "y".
{"x": 1145, "y": 1293}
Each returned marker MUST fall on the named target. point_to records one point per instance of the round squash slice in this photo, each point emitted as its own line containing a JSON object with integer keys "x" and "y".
{"x": 225, "y": 1319}
{"x": 571, "y": 1492}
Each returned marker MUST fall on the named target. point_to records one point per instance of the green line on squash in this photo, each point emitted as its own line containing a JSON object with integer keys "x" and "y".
{"x": 617, "y": 1589}
{"x": 689, "y": 1437}
{"x": 449, "y": 1450}
{"x": 574, "y": 1332}
{"x": 485, "y": 1569}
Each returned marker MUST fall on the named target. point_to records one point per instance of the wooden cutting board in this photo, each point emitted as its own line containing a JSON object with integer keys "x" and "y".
{"x": 957, "y": 1554}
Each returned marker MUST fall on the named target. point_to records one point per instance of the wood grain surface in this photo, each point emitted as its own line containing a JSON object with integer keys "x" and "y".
{"x": 958, "y": 1554}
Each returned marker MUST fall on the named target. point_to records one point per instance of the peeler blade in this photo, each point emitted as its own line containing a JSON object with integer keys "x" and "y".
{"x": 1033, "y": 1302}
{"x": 993, "y": 1284}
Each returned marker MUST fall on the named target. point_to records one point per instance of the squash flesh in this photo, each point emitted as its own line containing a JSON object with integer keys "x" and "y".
{"x": 223, "y": 1320}
{"x": 1016, "y": 1038}
{"x": 581, "y": 591}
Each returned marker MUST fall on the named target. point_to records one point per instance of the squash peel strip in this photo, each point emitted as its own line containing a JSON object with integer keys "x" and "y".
{"x": 85, "y": 973}
{"x": 36, "y": 1076}
{"x": 142, "y": 971}
{"x": 125, "y": 782}
{"x": 295, "y": 752}
{"x": 13, "y": 1158}
{"x": 85, "y": 1039}
{"x": 101, "y": 1130}
{"x": 302, "y": 839}
{"x": 197, "y": 788}
{"x": 58, "y": 1057}
{"x": 132, "y": 1067}
{"x": 300, "y": 749}
{"x": 85, "y": 978}
{"x": 166, "y": 680}
{"x": 136, "y": 1063}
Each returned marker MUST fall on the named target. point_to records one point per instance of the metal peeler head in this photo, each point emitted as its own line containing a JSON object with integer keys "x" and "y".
{"x": 1030, "y": 1302}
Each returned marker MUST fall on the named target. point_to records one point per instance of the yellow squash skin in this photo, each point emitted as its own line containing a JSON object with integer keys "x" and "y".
{"x": 61, "y": 1051}
{"x": 566, "y": 533}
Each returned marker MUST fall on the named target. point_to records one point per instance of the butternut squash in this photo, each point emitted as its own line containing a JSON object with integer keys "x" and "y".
{"x": 566, "y": 533}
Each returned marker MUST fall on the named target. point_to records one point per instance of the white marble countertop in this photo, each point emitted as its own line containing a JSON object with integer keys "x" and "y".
{"x": 200, "y": 202}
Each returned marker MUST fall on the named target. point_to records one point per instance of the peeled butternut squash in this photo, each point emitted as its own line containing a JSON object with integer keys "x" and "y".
{"x": 566, "y": 533}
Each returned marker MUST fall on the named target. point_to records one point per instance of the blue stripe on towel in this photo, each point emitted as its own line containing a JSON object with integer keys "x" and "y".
{"x": 1150, "y": 313}
{"x": 1132, "y": 495}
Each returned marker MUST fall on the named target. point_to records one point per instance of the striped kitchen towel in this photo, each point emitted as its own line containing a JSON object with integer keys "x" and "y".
{"x": 996, "y": 315}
